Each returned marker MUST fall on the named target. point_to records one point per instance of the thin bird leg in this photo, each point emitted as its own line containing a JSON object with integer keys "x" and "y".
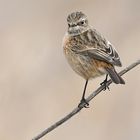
{"x": 105, "y": 83}
{"x": 83, "y": 100}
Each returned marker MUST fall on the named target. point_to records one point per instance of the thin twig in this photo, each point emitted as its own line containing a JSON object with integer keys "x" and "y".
{"x": 77, "y": 109}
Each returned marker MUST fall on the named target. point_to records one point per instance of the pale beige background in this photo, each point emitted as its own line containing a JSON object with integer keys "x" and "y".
{"x": 37, "y": 86}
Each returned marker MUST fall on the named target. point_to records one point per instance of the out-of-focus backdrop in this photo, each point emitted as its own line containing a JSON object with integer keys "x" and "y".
{"x": 38, "y": 87}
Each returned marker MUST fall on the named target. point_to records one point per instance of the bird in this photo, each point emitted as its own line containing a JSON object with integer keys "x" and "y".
{"x": 89, "y": 53}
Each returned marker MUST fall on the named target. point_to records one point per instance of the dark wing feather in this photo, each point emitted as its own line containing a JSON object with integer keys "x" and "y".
{"x": 101, "y": 49}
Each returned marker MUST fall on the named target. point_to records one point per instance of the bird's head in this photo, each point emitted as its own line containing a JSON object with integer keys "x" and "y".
{"x": 77, "y": 23}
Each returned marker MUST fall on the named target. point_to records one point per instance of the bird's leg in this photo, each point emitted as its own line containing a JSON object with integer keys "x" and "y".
{"x": 83, "y": 100}
{"x": 105, "y": 83}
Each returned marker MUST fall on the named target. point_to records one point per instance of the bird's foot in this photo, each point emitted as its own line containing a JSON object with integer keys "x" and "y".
{"x": 84, "y": 103}
{"x": 104, "y": 83}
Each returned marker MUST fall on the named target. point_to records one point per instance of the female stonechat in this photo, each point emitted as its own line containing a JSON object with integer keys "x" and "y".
{"x": 89, "y": 54}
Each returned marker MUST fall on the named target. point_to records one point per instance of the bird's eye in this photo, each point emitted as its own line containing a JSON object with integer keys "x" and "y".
{"x": 81, "y": 22}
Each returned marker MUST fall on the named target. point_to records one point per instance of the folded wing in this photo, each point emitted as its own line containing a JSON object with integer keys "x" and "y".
{"x": 101, "y": 49}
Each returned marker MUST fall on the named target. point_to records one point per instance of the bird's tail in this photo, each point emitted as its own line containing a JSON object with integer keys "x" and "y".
{"x": 116, "y": 78}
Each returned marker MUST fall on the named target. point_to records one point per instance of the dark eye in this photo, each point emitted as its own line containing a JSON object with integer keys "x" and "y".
{"x": 82, "y": 22}
{"x": 68, "y": 24}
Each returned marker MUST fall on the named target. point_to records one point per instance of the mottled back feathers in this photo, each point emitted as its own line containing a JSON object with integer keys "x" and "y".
{"x": 97, "y": 47}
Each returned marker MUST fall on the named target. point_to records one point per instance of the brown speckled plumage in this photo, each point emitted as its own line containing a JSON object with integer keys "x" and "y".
{"x": 89, "y": 54}
{"x": 85, "y": 65}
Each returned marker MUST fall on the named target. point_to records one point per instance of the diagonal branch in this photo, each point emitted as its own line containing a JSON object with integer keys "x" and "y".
{"x": 77, "y": 109}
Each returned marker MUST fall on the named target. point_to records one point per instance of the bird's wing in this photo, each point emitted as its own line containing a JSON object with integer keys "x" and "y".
{"x": 101, "y": 49}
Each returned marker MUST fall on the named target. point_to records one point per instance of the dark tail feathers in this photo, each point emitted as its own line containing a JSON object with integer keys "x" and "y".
{"x": 116, "y": 78}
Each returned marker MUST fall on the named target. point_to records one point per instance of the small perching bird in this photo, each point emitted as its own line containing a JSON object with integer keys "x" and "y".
{"x": 89, "y": 54}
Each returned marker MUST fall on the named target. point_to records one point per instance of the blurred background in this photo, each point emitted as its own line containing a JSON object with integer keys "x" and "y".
{"x": 38, "y": 87}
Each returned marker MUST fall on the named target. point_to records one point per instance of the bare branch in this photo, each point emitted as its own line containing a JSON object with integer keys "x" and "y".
{"x": 77, "y": 109}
